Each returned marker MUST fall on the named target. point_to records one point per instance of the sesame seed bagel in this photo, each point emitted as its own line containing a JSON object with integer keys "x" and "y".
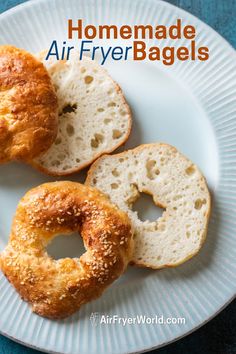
{"x": 57, "y": 288}
{"x": 28, "y": 106}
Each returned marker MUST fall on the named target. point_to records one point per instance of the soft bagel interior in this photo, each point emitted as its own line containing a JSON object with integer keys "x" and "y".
{"x": 176, "y": 184}
{"x": 94, "y": 117}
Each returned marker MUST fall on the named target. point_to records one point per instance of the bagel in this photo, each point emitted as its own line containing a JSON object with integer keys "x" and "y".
{"x": 175, "y": 184}
{"x": 28, "y": 106}
{"x": 57, "y": 288}
{"x": 94, "y": 117}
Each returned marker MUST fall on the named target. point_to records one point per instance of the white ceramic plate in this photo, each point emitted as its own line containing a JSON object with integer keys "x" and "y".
{"x": 191, "y": 105}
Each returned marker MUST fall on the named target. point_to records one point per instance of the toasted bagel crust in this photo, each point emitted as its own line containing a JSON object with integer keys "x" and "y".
{"x": 28, "y": 106}
{"x": 57, "y": 288}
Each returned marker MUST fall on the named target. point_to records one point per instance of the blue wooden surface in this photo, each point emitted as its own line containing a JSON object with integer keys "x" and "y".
{"x": 218, "y": 336}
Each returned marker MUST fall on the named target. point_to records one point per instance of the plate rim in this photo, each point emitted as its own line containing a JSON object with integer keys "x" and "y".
{"x": 227, "y": 44}
{"x": 159, "y": 346}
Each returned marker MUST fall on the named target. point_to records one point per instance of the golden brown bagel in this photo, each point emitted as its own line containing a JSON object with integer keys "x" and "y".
{"x": 28, "y": 106}
{"x": 57, "y": 288}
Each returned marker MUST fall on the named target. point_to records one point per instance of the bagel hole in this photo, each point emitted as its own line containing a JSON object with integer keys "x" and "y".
{"x": 122, "y": 112}
{"x": 58, "y": 141}
{"x": 199, "y": 203}
{"x": 66, "y": 246}
{"x": 69, "y": 108}
{"x": 97, "y": 140}
{"x": 111, "y": 104}
{"x": 151, "y": 169}
{"x": 116, "y": 134}
{"x": 190, "y": 170}
{"x": 115, "y": 172}
{"x": 146, "y": 208}
{"x": 70, "y": 130}
{"x": 107, "y": 120}
{"x": 88, "y": 79}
